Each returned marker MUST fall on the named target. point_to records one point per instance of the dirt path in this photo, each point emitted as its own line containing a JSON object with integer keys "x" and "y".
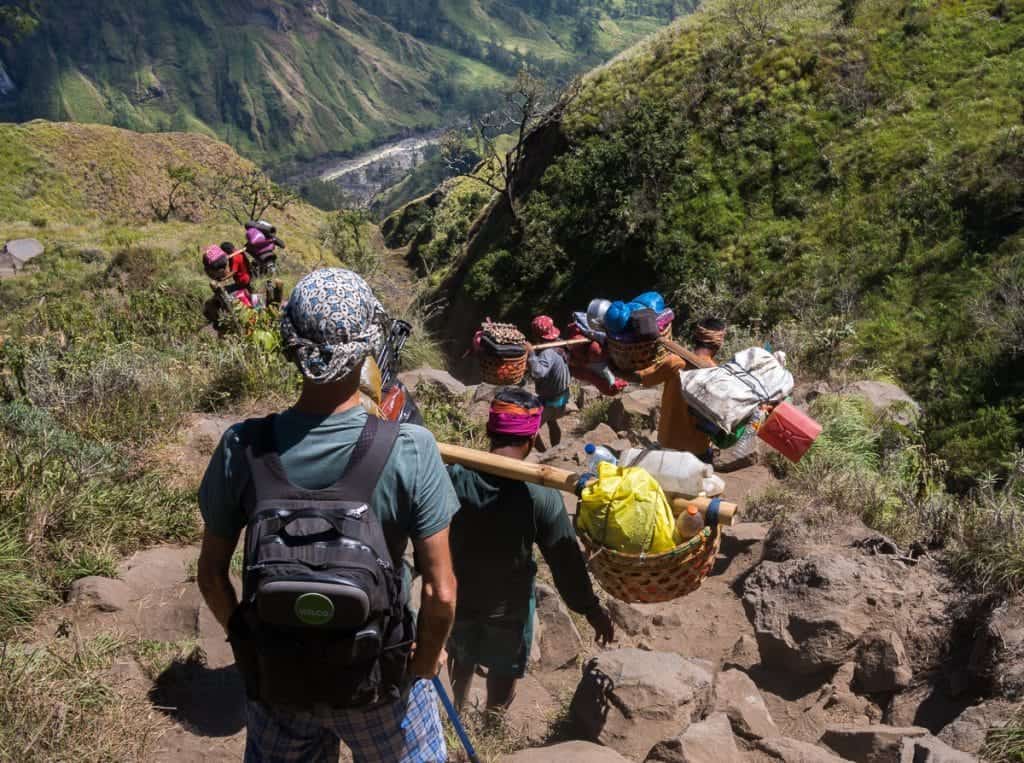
{"x": 202, "y": 695}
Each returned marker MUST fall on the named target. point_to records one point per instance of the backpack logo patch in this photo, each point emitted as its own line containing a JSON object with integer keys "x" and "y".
{"x": 314, "y": 609}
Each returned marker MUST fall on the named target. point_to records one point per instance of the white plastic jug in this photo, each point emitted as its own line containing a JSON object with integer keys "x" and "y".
{"x": 678, "y": 472}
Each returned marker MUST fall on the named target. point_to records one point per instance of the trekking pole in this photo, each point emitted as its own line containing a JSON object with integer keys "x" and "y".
{"x": 453, "y": 716}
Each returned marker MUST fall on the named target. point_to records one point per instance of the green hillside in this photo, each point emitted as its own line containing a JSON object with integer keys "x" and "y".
{"x": 851, "y": 177}
{"x": 294, "y": 79}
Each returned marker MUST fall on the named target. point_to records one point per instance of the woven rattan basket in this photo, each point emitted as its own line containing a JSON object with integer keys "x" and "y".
{"x": 502, "y": 371}
{"x": 634, "y": 356}
{"x": 646, "y": 579}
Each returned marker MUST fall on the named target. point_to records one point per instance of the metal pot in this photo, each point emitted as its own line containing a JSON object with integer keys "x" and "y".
{"x": 596, "y": 311}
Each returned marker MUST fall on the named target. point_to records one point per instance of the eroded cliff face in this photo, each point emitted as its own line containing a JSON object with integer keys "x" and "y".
{"x": 495, "y": 227}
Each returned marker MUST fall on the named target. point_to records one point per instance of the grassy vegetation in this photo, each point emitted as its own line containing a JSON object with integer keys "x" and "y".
{"x": 878, "y": 469}
{"x": 595, "y": 413}
{"x": 101, "y": 360}
{"x": 1006, "y": 745}
{"x": 58, "y": 703}
{"x": 856, "y": 178}
{"x": 448, "y": 418}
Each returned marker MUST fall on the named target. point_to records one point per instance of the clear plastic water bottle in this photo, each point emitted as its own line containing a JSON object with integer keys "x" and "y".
{"x": 596, "y": 454}
{"x": 689, "y": 523}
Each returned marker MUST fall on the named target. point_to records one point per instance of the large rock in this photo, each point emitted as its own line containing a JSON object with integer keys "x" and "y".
{"x": 587, "y": 395}
{"x": 426, "y": 375}
{"x": 630, "y": 699}
{"x": 931, "y": 750}
{"x": 602, "y": 434}
{"x": 635, "y": 411}
{"x": 882, "y": 663}
{"x": 968, "y": 730}
{"x": 104, "y": 594}
{"x": 886, "y": 400}
{"x": 567, "y": 752}
{"x": 482, "y": 392}
{"x": 558, "y": 639}
{"x": 627, "y": 617}
{"x": 710, "y": 741}
{"x": 812, "y": 614}
{"x": 870, "y": 744}
{"x": 801, "y": 612}
{"x": 997, "y": 658}
{"x": 738, "y": 698}
{"x": 794, "y": 751}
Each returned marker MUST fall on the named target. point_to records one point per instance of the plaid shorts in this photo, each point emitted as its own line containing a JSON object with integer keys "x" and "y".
{"x": 403, "y": 732}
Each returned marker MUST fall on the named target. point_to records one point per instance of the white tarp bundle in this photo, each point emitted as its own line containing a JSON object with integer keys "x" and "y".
{"x": 729, "y": 394}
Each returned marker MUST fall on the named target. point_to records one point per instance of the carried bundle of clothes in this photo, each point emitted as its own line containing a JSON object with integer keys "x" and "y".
{"x": 747, "y": 395}
{"x": 501, "y": 350}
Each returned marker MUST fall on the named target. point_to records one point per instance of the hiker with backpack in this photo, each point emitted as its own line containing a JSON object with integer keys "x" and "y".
{"x": 493, "y": 536}
{"x": 329, "y": 498}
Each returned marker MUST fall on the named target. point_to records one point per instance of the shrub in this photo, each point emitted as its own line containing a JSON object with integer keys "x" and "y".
{"x": 448, "y": 418}
{"x": 595, "y": 413}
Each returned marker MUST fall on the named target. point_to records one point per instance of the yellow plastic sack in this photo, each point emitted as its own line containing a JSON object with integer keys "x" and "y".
{"x": 626, "y": 510}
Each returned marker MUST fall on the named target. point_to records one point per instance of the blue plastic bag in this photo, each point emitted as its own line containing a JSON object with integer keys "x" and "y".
{"x": 617, "y": 317}
{"x": 652, "y": 301}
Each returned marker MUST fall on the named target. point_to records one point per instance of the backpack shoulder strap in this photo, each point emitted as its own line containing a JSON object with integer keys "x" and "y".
{"x": 371, "y": 454}
{"x": 257, "y": 439}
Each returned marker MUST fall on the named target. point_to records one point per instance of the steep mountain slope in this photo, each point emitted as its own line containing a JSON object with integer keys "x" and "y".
{"x": 98, "y": 188}
{"x": 851, "y": 177}
{"x": 285, "y": 79}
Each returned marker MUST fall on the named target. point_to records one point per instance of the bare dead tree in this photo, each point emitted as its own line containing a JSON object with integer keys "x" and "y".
{"x": 246, "y": 195}
{"x": 757, "y": 20}
{"x": 530, "y": 103}
{"x": 183, "y": 180}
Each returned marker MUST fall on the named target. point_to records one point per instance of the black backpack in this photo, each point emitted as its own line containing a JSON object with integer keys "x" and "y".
{"x": 322, "y": 621}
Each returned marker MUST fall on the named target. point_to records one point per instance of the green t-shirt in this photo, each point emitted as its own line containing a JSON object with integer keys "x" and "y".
{"x": 413, "y": 498}
{"x": 492, "y": 539}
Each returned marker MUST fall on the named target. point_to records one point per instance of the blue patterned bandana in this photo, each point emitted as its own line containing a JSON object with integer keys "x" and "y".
{"x": 331, "y": 323}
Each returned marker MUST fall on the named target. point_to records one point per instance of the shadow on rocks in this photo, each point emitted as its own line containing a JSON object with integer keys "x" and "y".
{"x": 209, "y": 702}
{"x": 731, "y": 548}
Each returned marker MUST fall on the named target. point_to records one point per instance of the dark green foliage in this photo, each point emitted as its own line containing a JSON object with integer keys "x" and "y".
{"x": 870, "y": 176}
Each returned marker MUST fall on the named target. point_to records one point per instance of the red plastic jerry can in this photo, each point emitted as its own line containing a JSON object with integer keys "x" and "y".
{"x": 790, "y": 431}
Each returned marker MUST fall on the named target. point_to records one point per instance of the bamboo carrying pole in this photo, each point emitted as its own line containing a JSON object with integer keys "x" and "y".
{"x": 688, "y": 355}
{"x": 560, "y": 479}
{"x": 562, "y": 343}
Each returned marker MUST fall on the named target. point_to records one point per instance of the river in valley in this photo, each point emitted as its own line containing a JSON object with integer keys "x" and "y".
{"x": 363, "y": 176}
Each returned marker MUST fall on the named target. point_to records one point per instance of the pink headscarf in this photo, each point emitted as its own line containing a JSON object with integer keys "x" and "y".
{"x": 511, "y": 419}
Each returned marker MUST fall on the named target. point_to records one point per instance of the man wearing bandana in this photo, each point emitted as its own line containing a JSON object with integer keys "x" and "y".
{"x": 678, "y": 427}
{"x": 331, "y": 324}
{"x": 492, "y": 539}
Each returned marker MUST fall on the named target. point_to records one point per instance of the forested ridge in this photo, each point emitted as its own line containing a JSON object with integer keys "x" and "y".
{"x": 847, "y": 179}
{"x": 294, "y": 79}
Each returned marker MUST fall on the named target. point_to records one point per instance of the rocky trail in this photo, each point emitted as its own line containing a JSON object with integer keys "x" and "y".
{"x": 808, "y": 643}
